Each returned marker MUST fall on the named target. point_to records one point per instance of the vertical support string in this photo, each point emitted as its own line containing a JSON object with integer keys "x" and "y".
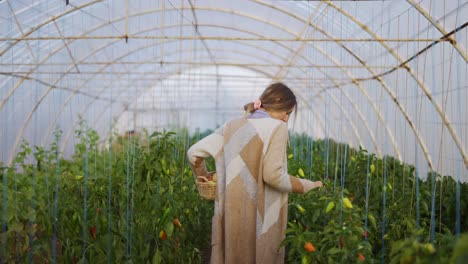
{"x": 127, "y": 198}
{"x": 366, "y": 219}
{"x": 384, "y": 208}
{"x": 460, "y": 166}
{"x": 85, "y": 137}
{"x": 416, "y": 156}
{"x": 57, "y": 135}
{"x": 343, "y": 175}
{"x": 433, "y": 192}
{"x": 4, "y": 172}
{"x": 327, "y": 138}
{"x": 433, "y": 173}
{"x": 32, "y": 217}
{"x": 109, "y": 188}
{"x": 132, "y": 201}
{"x": 343, "y": 157}
{"x": 4, "y": 167}
{"x": 416, "y": 180}
{"x": 337, "y": 165}
{"x": 385, "y": 149}
{"x": 129, "y": 134}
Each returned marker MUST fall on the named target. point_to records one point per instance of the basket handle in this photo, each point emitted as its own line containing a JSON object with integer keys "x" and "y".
{"x": 202, "y": 179}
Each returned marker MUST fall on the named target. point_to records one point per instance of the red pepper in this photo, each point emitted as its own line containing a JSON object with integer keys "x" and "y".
{"x": 162, "y": 235}
{"x": 176, "y": 222}
{"x": 365, "y": 234}
{"x": 361, "y": 257}
{"x": 92, "y": 231}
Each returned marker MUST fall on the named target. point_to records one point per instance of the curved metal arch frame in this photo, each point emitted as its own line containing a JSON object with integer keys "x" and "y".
{"x": 445, "y": 120}
{"x": 420, "y": 83}
{"x": 139, "y": 49}
{"x": 373, "y": 105}
{"x": 356, "y": 81}
{"x": 147, "y": 12}
{"x": 104, "y": 24}
{"x": 333, "y": 98}
{"x": 348, "y": 118}
{"x": 330, "y": 58}
{"x": 356, "y": 133}
{"x": 51, "y": 19}
{"x": 439, "y": 27}
{"x": 178, "y": 72}
{"x": 96, "y": 50}
{"x": 283, "y": 71}
{"x": 310, "y": 108}
{"x": 49, "y": 129}
{"x": 380, "y": 80}
{"x": 359, "y": 86}
{"x": 361, "y": 116}
{"x": 175, "y": 73}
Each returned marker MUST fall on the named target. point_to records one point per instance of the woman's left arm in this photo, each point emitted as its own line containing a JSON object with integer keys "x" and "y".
{"x": 275, "y": 169}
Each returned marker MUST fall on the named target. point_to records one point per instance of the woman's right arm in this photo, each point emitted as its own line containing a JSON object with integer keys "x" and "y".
{"x": 275, "y": 168}
{"x": 211, "y": 145}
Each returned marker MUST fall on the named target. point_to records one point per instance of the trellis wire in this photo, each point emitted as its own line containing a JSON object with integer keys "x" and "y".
{"x": 343, "y": 175}
{"x": 127, "y": 147}
{"x": 132, "y": 192}
{"x": 34, "y": 175}
{"x": 58, "y": 178}
{"x": 366, "y": 218}
{"x": 327, "y": 139}
{"x": 109, "y": 193}
{"x": 344, "y": 156}
{"x": 433, "y": 191}
{"x": 385, "y": 149}
{"x": 335, "y": 168}
{"x": 416, "y": 156}
{"x": 4, "y": 169}
{"x": 84, "y": 136}
{"x": 416, "y": 180}
{"x": 56, "y": 198}
{"x": 432, "y": 173}
{"x": 460, "y": 169}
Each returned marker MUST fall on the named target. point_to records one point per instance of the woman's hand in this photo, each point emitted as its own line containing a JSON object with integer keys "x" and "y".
{"x": 211, "y": 176}
{"x": 318, "y": 184}
{"x": 309, "y": 185}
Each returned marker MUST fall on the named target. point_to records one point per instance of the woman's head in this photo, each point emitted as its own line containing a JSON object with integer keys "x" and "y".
{"x": 278, "y": 100}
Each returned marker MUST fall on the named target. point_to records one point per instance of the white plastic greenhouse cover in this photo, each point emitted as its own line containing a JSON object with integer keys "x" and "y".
{"x": 390, "y": 76}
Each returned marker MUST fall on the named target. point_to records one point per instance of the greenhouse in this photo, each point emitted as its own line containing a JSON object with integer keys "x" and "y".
{"x": 101, "y": 103}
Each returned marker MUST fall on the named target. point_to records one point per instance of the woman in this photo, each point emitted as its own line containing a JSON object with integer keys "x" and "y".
{"x": 251, "y": 203}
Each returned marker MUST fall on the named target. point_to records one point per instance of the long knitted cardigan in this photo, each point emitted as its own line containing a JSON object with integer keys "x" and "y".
{"x": 250, "y": 214}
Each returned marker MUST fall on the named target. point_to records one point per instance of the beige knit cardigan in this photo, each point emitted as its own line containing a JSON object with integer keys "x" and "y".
{"x": 251, "y": 205}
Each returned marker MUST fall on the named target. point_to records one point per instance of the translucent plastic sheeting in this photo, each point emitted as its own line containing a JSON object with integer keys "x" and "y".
{"x": 387, "y": 75}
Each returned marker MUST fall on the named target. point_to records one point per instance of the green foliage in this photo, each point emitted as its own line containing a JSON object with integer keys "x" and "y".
{"x": 389, "y": 204}
{"x": 119, "y": 201}
{"x": 118, "y": 198}
{"x": 460, "y": 252}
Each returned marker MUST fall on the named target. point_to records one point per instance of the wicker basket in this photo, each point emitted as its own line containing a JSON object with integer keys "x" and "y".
{"x": 206, "y": 189}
